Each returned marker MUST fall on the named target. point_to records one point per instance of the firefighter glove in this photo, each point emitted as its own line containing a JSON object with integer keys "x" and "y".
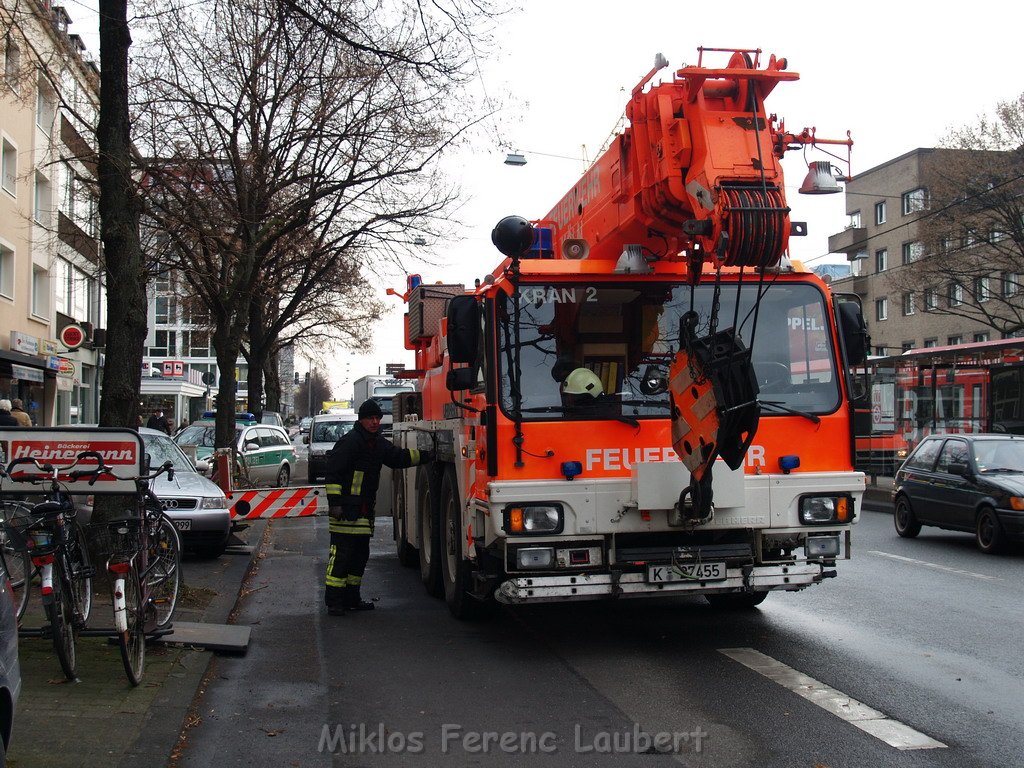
{"x": 334, "y": 511}
{"x": 350, "y": 513}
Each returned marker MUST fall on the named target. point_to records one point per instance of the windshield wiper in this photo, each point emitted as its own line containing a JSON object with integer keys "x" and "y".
{"x": 777, "y": 406}
{"x": 590, "y": 411}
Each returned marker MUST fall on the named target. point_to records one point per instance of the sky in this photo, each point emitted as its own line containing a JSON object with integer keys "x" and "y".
{"x": 896, "y": 75}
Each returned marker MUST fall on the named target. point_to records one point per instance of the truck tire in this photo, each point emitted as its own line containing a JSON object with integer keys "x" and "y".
{"x": 429, "y": 539}
{"x": 456, "y": 571}
{"x": 407, "y": 554}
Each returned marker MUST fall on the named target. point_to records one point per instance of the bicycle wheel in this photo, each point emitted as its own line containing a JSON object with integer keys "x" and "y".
{"x": 164, "y": 576}
{"x": 61, "y": 614}
{"x": 19, "y": 568}
{"x": 81, "y": 574}
{"x": 18, "y": 565}
{"x": 132, "y": 641}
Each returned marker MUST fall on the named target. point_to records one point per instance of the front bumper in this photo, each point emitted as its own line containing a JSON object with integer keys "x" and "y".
{"x": 604, "y": 586}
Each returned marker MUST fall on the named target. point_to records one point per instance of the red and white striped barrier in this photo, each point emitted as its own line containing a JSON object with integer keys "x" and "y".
{"x": 278, "y": 502}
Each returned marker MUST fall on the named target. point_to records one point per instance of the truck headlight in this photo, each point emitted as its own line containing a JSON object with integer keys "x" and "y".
{"x": 527, "y": 519}
{"x": 822, "y": 547}
{"x": 823, "y": 510}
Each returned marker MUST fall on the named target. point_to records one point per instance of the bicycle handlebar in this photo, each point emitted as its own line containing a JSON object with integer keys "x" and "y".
{"x": 52, "y": 472}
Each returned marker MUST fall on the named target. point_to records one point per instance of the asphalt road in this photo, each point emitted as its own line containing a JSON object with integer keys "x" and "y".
{"x": 927, "y": 632}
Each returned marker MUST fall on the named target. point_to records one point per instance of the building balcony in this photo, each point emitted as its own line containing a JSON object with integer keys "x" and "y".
{"x": 850, "y": 241}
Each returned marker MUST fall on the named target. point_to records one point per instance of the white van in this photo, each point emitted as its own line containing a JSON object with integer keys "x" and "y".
{"x": 324, "y": 432}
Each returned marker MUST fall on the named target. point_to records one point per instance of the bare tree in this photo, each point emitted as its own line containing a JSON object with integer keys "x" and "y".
{"x": 287, "y": 129}
{"x": 969, "y": 262}
{"x": 119, "y": 210}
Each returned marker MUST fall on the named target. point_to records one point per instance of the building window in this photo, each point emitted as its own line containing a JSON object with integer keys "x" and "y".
{"x": 907, "y": 346}
{"x": 956, "y": 294}
{"x": 165, "y": 345}
{"x": 195, "y": 344}
{"x": 954, "y": 340}
{"x": 880, "y": 212}
{"x": 908, "y": 303}
{"x": 982, "y": 289}
{"x": 9, "y": 163}
{"x": 912, "y": 251}
{"x": 42, "y": 205}
{"x": 980, "y": 337}
{"x": 880, "y": 351}
{"x": 881, "y": 260}
{"x": 931, "y": 299}
{"x": 915, "y": 200}
{"x": 948, "y": 244}
{"x": 929, "y": 343}
{"x": 1011, "y": 286}
{"x": 12, "y": 63}
{"x": 40, "y": 293}
{"x": 165, "y": 309}
{"x": 997, "y": 236}
{"x": 854, "y": 220}
{"x": 881, "y": 309}
{"x": 46, "y": 106}
{"x": 6, "y": 271}
{"x": 971, "y": 239}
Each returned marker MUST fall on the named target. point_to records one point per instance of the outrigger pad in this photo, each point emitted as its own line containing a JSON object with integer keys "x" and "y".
{"x": 229, "y": 638}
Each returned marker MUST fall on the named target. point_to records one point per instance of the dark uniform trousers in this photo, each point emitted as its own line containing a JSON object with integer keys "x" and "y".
{"x": 346, "y": 561}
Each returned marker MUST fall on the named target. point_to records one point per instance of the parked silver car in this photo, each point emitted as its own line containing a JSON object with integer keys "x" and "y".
{"x": 325, "y": 430}
{"x": 10, "y": 669}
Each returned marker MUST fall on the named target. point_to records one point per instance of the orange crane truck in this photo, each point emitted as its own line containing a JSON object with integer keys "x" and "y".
{"x": 647, "y": 396}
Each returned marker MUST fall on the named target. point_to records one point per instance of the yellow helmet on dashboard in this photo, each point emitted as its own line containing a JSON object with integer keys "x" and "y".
{"x": 582, "y": 381}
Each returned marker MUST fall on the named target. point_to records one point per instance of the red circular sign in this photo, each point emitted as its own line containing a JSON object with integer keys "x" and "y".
{"x": 72, "y": 336}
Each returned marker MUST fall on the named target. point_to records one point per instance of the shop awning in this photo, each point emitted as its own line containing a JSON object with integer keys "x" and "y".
{"x": 14, "y": 365}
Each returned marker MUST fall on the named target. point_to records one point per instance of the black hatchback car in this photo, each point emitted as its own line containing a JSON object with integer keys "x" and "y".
{"x": 971, "y": 482}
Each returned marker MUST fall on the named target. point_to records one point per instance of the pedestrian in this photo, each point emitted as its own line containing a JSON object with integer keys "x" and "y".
{"x": 6, "y": 419}
{"x": 18, "y": 412}
{"x": 156, "y": 421}
{"x": 353, "y": 473}
{"x": 184, "y": 423}
{"x": 168, "y": 426}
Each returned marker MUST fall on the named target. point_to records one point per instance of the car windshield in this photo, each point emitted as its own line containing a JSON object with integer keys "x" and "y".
{"x": 625, "y": 337}
{"x": 162, "y": 449}
{"x": 330, "y": 431}
{"x": 999, "y": 455}
{"x": 201, "y": 435}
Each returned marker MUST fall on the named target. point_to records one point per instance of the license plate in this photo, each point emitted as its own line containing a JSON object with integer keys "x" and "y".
{"x": 658, "y": 574}
{"x": 183, "y": 525}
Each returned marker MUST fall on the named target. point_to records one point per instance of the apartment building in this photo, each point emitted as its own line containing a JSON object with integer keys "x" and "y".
{"x": 50, "y": 288}
{"x": 891, "y": 222}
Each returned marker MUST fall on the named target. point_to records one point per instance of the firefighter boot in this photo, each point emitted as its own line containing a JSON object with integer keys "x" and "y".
{"x": 353, "y": 602}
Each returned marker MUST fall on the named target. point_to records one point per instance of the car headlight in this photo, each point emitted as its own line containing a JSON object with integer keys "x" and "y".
{"x": 526, "y": 519}
{"x": 823, "y": 510}
{"x": 319, "y": 452}
{"x": 214, "y": 502}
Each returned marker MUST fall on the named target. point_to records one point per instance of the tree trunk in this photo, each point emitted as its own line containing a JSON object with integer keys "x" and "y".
{"x": 119, "y": 231}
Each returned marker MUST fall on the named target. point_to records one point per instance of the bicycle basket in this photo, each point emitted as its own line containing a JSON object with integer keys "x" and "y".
{"x": 116, "y": 537}
{"x": 27, "y": 531}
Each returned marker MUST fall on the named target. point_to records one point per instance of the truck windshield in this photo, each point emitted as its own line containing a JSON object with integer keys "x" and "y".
{"x": 624, "y": 339}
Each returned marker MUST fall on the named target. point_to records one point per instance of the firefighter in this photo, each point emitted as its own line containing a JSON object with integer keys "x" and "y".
{"x": 353, "y": 473}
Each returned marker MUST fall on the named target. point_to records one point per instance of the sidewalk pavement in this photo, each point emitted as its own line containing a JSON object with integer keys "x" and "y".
{"x": 100, "y": 719}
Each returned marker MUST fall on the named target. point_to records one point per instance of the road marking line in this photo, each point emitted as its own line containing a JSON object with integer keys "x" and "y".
{"x": 871, "y": 721}
{"x": 936, "y": 566}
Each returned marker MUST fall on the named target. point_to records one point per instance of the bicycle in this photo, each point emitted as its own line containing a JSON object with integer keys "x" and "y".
{"x": 48, "y": 532}
{"x": 143, "y": 562}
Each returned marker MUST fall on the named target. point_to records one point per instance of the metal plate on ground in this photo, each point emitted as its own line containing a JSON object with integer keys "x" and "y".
{"x": 228, "y": 638}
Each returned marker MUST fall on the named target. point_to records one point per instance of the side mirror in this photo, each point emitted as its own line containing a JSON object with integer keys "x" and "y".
{"x": 460, "y": 379}
{"x": 854, "y": 331}
{"x": 202, "y": 466}
{"x": 957, "y": 468}
{"x": 463, "y": 329}
{"x": 305, "y": 439}
{"x": 250, "y": 446}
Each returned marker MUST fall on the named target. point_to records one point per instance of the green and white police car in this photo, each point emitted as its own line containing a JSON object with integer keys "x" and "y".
{"x": 264, "y": 449}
